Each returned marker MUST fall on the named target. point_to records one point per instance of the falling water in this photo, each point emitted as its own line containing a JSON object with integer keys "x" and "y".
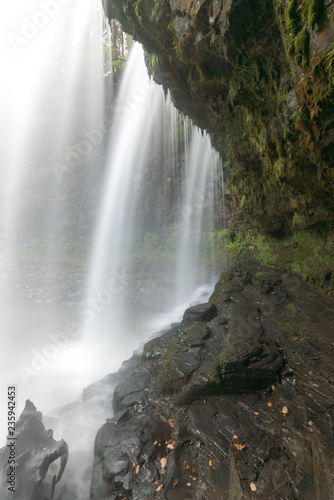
{"x": 145, "y": 120}
{"x": 51, "y": 98}
{"x": 157, "y": 202}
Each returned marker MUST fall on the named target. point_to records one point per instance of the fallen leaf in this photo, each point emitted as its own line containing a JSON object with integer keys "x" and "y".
{"x": 272, "y": 387}
{"x": 285, "y": 410}
{"x": 310, "y": 422}
{"x": 239, "y": 446}
{"x": 256, "y": 413}
{"x": 155, "y": 401}
{"x": 269, "y": 404}
{"x": 253, "y": 487}
{"x": 169, "y": 420}
{"x": 210, "y": 463}
{"x": 176, "y": 482}
{"x": 159, "y": 488}
{"x": 163, "y": 462}
{"x": 186, "y": 466}
{"x": 137, "y": 469}
{"x": 235, "y": 436}
{"x": 155, "y": 442}
{"x": 149, "y": 399}
{"x": 170, "y": 446}
{"x": 188, "y": 484}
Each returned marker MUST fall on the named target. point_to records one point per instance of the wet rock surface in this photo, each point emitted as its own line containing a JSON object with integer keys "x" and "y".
{"x": 236, "y": 406}
{"x": 34, "y": 452}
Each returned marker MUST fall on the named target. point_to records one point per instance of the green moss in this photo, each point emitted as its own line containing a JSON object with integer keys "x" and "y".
{"x": 169, "y": 380}
{"x": 311, "y": 256}
{"x": 248, "y": 241}
{"x": 290, "y": 309}
{"x": 298, "y": 221}
{"x": 218, "y": 363}
{"x": 302, "y": 45}
{"x": 305, "y": 251}
{"x": 314, "y": 12}
{"x": 292, "y": 16}
{"x": 294, "y": 329}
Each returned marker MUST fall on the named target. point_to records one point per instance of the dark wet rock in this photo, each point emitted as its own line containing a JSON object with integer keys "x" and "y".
{"x": 126, "y": 394}
{"x": 250, "y": 406}
{"x": 196, "y": 335}
{"x": 34, "y": 451}
{"x": 201, "y": 312}
{"x": 121, "y": 454}
{"x": 119, "y": 417}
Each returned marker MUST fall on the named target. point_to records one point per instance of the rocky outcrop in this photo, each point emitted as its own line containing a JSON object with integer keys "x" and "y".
{"x": 258, "y": 75}
{"x": 239, "y": 405}
{"x": 34, "y": 451}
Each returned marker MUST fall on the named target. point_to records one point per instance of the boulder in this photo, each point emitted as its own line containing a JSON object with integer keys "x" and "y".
{"x": 201, "y": 312}
{"x": 34, "y": 450}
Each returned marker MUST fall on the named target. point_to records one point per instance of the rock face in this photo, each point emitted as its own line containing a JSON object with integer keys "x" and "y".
{"x": 235, "y": 406}
{"x": 35, "y": 453}
{"x": 259, "y": 76}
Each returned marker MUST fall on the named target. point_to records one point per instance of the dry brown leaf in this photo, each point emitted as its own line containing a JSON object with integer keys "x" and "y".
{"x": 269, "y": 404}
{"x": 285, "y": 410}
{"x": 169, "y": 420}
{"x": 239, "y": 446}
{"x": 235, "y": 436}
{"x": 155, "y": 401}
{"x": 137, "y": 469}
{"x": 256, "y": 413}
{"x": 163, "y": 462}
{"x": 186, "y": 467}
{"x": 210, "y": 463}
{"x": 159, "y": 488}
{"x": 149, "y": 399}
{"x": 253, "y": 487}
{"x": 155, "y": 442}
{"x": 176, "y": 482}
{"x": 170, "y": 446}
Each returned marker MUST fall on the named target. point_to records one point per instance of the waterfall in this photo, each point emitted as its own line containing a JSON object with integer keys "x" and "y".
{"x": 106, "y": 199}
{"x": 146, "y": 120}
{"x": 52, "y": 101}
